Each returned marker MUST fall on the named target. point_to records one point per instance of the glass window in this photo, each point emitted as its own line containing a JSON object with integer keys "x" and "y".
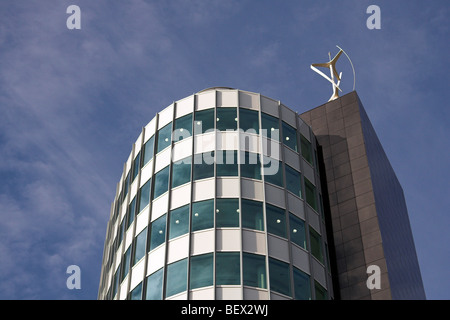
{"x": 316, "y": 244}
{"x": 204, "y": 120}
{"x": 248, "y": 120}
{"x": 254, "y": 270}
{"x": 161, "y": 182}
{"x": 252, "y": 215}
{"x": 273, "y": 172}
{"x": 321, "y": 293}
{"x": 131, "y": 212}
{"x": 148, "y": 151}
{"x": 306, "y": 149}
{"x": 203, "y": 215}
{"x": 226, "y": 119}
{"x": 122, "y": 230}
{"x": 144, "y": 195}
{"x": 181, "y": 172}
{"x": 116, "y": 280}
{"x": 289, "y": 136}
{"x": 228, "y": 268}
{"x": 164, "y": 137}
{"x": 201, "y": 273}
{"x": 297, "y": 233}
{"x": 250, "y": 165}
{"x": 154, "y": 285}
{"x": 279, "y": 276}
{"x": 136, "y": 293}
{"x": 310, "y": 194}
{"x": 276, "y": 220}
{"x": 293, "y": 181}
{"x": 158, "y": 232}
{"x": 136, "y": 166}
{"x": 126, "y": 263}
{"x": 227, "y": 212}
{"x": 183, "y": 128}
{"x": 179, "y": 222}
{"x": 227, "y": 163}
{"x": 176, "y": 280}
{"x": 302, "y": 285}
{"x": 203, "y": 165}
{"x": 141, "y": 241}
{"x": 270, "y": 126}
{"x": 126, "y": 184}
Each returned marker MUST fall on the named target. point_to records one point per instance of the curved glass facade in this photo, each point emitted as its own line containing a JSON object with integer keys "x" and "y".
{"x": 220, "y": 198}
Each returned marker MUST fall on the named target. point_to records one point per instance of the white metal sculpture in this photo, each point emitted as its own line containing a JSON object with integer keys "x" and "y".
{"x": 333, "y": 73}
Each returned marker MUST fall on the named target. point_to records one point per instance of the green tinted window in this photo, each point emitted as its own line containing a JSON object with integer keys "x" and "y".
{"x": 310, "y": 194}
{"x": 201, "y": 273}
{"x": 227, "y": 212}
{"x": 204, "y": 121}
{"x": 203, "y": 215}
{"x": 227, "y": 163}
{"x": 158, "y": 232}
{"x": 250, "y": 165}
{"x": 270, "y": 126}
{"x": 148, "y": 151}
{"x": 141, "y": 241}
{"x": 226, "y": 119}
{"x": 252, "y": 215}
{"x": 276, "y": 220}
{"x": 289, "y": 136}
{"x": 155, "y": 285}
{"x": 183, "y": 128}
{"x": 297, "y": 231}
{"x": 176, "y": 280}
{"x": 254, "y": 270}
{"x": 321, "y": 293}
{"x": 302, "y": 285}
{"x": 164, "y": 137}
{"x": 161, "y": 182}
{"x": 306, "y": 149}
{"x": 144, "y": 195}
{"x": 181, "y": 172}
{"x": 228, "y": 268}
{"x": 293, "y": 181}
{"x": 279, "y": 276}
{"x": 179, "y": 222}
{"x": 203, "y": 165}
{"x": 316, "y": 244}
{"x": 248, "y": 120}
{"x": 273, "y": 171}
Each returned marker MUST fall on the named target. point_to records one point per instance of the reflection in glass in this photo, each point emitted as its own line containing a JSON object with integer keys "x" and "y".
{"x": 164, "y": 137}
{"x": 203, "y": 215}
{"x": 279, "y": 276}
{"x": 179, "y": 222}
{"x": 158, "y": 232}
{"x": 276, "y": 220}
{"x": 154, "y": 285}
{"x": 227, "y": 212}
{"x": 176, "y": 280}
{"x": 228, "y": 268}
{"x": 252, "y": 215}
{"x": 201, "y": 273}
{"x": 254, "y": 270}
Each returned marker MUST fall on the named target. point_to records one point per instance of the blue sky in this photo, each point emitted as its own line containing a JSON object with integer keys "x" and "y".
{"x": 72, "y": 102}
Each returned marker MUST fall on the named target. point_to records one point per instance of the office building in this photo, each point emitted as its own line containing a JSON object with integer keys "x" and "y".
{"x": 228, "y": 194}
